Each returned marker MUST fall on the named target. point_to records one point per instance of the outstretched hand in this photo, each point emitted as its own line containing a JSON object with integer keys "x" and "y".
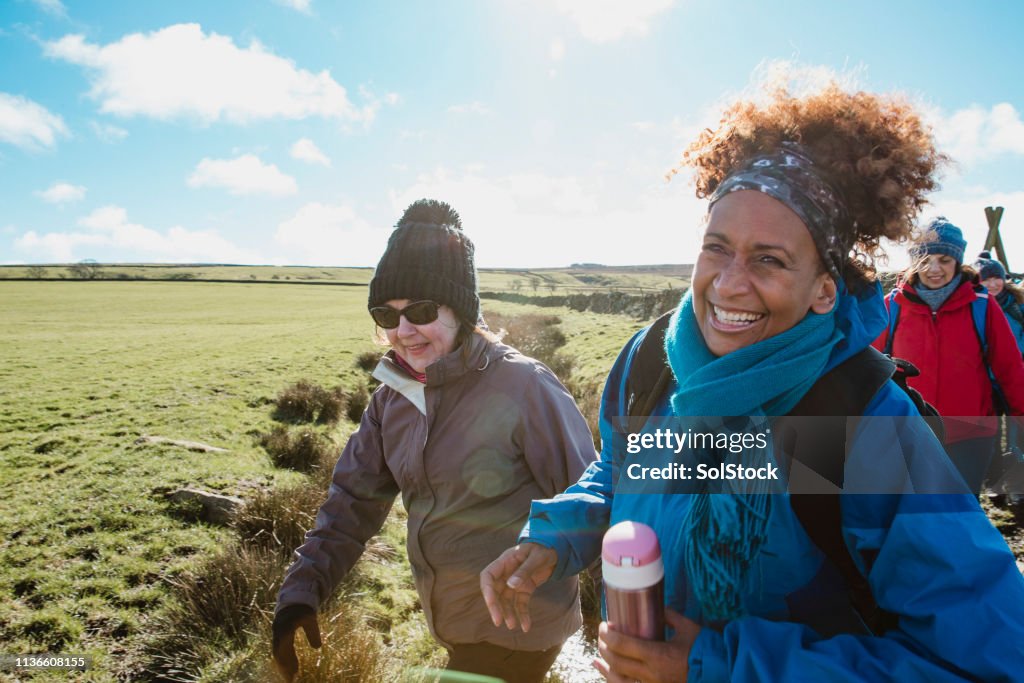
{"x": 285, "y": 626}
{"x": 508, "y": 583}
{"x": 624, "y": 658}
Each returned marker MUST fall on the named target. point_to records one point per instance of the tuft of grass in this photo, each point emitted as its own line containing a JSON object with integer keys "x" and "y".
{"x": 307, "y": 402}
{"x": 215, "y": 606}
{"x": 367, "y": 360}
{"x": 303, "y": 450}
{"x": 279, "y": 518}
{"x": 358, "y": 399}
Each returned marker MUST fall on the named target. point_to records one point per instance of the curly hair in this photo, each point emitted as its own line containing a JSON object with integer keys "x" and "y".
{"x": 874, "y": 149}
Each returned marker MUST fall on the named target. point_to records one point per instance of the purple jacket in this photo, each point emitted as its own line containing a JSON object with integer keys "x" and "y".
{"x": 489, "y": 432}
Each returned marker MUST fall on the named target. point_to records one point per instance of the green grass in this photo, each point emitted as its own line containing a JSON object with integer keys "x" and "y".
{"x": 539, "y": 282}
{"x": 89, "y": 548}
{"x": 87, "y": 541}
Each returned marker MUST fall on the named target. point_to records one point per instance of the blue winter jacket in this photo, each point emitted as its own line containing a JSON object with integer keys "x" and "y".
{"x": 1013, "y": 316}
{"x": 933, "y": 560}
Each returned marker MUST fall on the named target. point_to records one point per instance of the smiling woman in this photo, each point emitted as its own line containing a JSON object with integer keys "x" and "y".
{"x": 780, "y": 318}
{"x": 468, "y": 430}
{"x": 758, "y": 273}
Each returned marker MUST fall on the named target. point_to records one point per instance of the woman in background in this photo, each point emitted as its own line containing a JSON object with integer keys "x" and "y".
{"x": 940, "y": 318}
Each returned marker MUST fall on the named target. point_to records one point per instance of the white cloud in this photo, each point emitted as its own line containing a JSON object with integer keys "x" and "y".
{"x": 107, "y": 132}
{"x": 325, "y": 234}
{"x": 242, "y": 175}
{"x": 538, "y": 220}
{"x": 605, "y": 21}
{"x": 180, "y": 72}
{"x": 557, "y": 50}
{"x": 306, "y": 150}
{"x": 469, "y": 108}
{"x": 54, "y": 7}
{"x": 297, "y": 5}
{"x": 61, "y": 193}
{"x": 975, "y": 134}
{"x": 107, "y": 229}
{"x": 27, "y": 124}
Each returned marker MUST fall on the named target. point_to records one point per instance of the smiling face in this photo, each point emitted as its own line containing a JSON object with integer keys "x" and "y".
{"x": 421, "y": 345}
{"x": 758, "y": 273}
{"x": 994, "y": 285}
{"x": 936, "y": 270}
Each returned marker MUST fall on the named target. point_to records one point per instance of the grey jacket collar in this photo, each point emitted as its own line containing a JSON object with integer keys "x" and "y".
{"x": 445, "y": 369}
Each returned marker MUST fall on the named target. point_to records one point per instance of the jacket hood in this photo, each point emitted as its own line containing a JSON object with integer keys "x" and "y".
{"x": 861, "y": 318}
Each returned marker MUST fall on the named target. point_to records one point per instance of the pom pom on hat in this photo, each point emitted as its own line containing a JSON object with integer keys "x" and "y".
{"x": 988, "y": 267}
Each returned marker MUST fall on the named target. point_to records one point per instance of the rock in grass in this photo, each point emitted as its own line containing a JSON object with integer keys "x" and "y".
{"x": 190, "y": 445}
{"x": 216, "y": 507}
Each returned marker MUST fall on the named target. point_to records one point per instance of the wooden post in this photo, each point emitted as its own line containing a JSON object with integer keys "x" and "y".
{"x": 993, "y": 215}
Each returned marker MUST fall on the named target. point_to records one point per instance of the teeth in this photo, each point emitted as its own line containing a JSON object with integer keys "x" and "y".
{"x": 736, "y": 316}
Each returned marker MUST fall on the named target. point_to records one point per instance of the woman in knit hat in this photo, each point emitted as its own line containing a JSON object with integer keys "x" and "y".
{"x": 1009, "y": 295}
{"x": 468, "y": 431}
{"x": 944, "y": 322}
{"x": 897, "y": 585}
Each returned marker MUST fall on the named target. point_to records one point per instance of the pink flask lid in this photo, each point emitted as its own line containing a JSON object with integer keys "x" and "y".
{"x": 630, "y": 544}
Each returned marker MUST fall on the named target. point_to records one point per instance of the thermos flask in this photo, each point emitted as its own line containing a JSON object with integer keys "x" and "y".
{"x": 634, "y": 580}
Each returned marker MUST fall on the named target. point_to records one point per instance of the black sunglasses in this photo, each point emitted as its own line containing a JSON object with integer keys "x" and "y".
{"x": 418, "y": 313}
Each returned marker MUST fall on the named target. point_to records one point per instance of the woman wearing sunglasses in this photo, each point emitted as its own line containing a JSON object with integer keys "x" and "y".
{"x": 469, "y": 431}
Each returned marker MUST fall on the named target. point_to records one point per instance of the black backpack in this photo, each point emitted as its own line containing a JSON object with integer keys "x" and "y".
{"x": 844, "y": 391}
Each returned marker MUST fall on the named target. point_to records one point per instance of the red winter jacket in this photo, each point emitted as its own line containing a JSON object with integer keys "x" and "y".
{"x": 945, "y": 347}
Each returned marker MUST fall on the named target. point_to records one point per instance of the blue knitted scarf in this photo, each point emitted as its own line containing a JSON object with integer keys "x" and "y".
{"x": 723, "y": 534}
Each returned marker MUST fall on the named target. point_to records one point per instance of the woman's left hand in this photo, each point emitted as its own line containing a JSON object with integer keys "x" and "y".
{"x": 624, "y": 658}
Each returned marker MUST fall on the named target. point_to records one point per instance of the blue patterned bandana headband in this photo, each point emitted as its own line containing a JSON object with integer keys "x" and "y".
{"x": 790, "y": 177}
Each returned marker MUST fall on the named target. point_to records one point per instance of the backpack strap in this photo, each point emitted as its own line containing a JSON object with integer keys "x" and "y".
{"x": 979, "y": 314}
{"x": 894, "y": 319}
{"x": 979, "y": 311}
{"x": 835, "y": 401}
{"x": 649, "y": 374}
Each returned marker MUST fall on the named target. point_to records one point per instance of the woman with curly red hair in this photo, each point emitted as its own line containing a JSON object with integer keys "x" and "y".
{"x": 905, "y": 581}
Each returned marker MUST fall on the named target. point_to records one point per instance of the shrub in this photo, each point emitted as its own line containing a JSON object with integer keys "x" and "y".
{"x": 279, "y": 518}
{"x": 367, "y": 360}
{"x": 303, "y": 451}
{"x": 213, "y": 607}
{"x": 357, "y": 402}
{"x": 587, "y": 395}
{"x": 305, "y": 401}
{"x": 534, "y": 335}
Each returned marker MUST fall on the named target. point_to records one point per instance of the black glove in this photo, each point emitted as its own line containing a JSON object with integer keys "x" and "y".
{"x": 286, "y": 622}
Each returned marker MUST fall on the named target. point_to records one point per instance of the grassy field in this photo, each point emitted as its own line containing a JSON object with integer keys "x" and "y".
{"x": 581, "y": 279}
{"x": 92, "y": 556}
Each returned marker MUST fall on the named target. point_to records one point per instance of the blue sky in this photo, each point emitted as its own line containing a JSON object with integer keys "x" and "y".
{"x": 296, "y": 131}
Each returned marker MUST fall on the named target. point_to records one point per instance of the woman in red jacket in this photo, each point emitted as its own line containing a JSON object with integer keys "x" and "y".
{"x": 934, "y": 328}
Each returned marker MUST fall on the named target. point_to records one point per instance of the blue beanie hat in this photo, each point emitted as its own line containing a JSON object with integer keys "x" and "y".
{"x": 988, "y": 267}
{"x": 941, "y": 237}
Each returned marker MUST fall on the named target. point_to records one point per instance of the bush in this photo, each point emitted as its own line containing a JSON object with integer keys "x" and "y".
{"x": 534, "y": 335}
{"x": 588, "y": 398}
{"x": 367, "y": 360}
{"x": 214, "y": 607}
{"x": 278, "y": 518}
{"x": 307, "y": 402}
{"x": 303, "y": 451}
{"x": 357, "y": 402}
